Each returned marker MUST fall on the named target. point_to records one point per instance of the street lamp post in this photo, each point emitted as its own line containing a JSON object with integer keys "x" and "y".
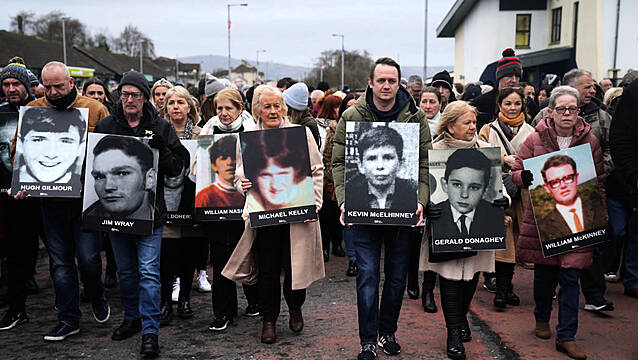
{"x": 257, "y": 53}
{"x": 142, "y": 56}
{"x": 63, "y": 42}
{"x": 323, "y": 67}
{"x": 425, "y": 43}
{"x": 343, "y": 52}
{"x": 229, "y": 6}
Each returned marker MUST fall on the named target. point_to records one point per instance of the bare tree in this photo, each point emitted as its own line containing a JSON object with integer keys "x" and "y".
{"x": 49, "y": 26}
{"x": 130, "y": 40}
{"x": 23, "y": 22}
{"x": 357, "y": 67}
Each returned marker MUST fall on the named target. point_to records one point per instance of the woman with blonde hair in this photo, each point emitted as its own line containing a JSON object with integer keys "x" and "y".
{"x": 158, "y": 94}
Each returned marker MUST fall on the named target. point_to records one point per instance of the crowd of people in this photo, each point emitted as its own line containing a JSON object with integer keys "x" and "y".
{"x": 155, "y": 271}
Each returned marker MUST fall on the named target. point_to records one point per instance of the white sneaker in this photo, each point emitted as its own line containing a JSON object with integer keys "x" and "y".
{"x": 202, "y": 282}
{"x": 175, "y": 295}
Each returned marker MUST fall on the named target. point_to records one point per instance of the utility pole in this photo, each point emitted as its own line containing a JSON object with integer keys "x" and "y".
{"x": 425, "y": 44}
{"x": 257, "y": 56}
{"x": 142, "y": 56}
{"x": 343, "y": 53}
{"x": 63, "y": 42}
{"x": 176, "y": 69}
{"x": 229, "y": 6}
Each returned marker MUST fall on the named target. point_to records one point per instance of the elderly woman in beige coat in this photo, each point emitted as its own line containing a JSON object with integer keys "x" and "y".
{"x": 458, "y": 277}
{"x": 296, "y": 247}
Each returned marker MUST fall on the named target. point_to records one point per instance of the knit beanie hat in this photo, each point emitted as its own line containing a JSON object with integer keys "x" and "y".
{"x": 17, "y": 71}
{"x": 32, "y": 78}
{"x": 442, "y": 78}
{"x": 213, "y": 86}
{"x": 509, "y": 65}
{"x": 136, "y": 79}
{"x": 629, "y": 77}
{"x": 296, "y": 96}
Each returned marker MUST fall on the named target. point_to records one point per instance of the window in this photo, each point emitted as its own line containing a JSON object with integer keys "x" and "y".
{"x": 523, "y": 24}
{"x": 556, "y": 21}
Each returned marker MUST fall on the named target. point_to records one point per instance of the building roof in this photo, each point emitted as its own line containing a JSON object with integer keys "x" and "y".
{"x": 168, "y": 65}
{"x": 454, "y": 18}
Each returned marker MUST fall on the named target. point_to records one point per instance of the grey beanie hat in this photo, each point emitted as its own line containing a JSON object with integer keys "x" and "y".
{"x": 136, "y": 79}
{"x": 18, "y": 72}
{"x": 296, "y": 96}
{"x": 213, "y": 86}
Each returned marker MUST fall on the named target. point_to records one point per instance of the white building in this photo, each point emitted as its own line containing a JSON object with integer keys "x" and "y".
{"x": 550, "y": 36}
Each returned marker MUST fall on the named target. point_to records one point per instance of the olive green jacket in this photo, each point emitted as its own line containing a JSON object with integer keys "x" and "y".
{"x": 361, "y": 111}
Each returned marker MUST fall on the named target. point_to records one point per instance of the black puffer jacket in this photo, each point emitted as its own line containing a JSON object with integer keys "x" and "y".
{"x": 624, "y": 141}
{"x": 171, "y": 158}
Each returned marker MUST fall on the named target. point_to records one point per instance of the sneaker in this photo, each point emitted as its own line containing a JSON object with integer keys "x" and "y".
{"x": 599, "y": 304}
{"x": 368, "y": 352}
{"x": 12, "y": 319}
{"x": 220, "y": 323}
{"x": 61, "y": 332}
{"x": 611, "y": 277}
{"x": 202, "y": 282}
{"x": 101, "y": 311}
{"x": 389, "y": 344}
{"x": 252, "y": 310}
{"x": 490, "y": 285}
{"x": 175, "y": 295}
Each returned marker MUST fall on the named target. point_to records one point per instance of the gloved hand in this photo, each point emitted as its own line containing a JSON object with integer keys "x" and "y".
{"x": 433, "y": 211}
{"x": 502, "y": 203}
{"x": 157, "y": 142}
{"x": 527, "y": 177}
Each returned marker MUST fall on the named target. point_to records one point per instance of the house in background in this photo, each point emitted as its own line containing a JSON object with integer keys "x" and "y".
{"x": 549, "y": 36}
{"x": 242, "y": 74}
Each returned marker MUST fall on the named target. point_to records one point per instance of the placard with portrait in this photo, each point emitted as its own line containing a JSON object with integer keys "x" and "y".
{"x": 8, "y": 124}
{"x": 179, "y": 191}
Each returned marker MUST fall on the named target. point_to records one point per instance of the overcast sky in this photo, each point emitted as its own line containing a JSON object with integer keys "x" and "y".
{"x": 291, "y": 32}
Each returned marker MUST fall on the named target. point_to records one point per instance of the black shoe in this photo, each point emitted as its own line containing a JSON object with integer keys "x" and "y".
{"x": 101, "y": 311}
{"x": 455, "y": 348}
{"x": 500, "y": 300}
{"x": 184, "y": 310}
{"x": 110, "y": 280}
{"x": 166, "y": 314}
{"x": 490, "y": 284}
{"x": 389, "y": 344}
{"x": 413, "y": 293}
{"x": 368, "y": 352}
{"x": 12, "y": 319}
{"x": 326, "y": 255}
{"x": 512, "y": 299}
{"x": 127, "y": 329}
{"x": 337, "y": 250}
{"x": 220, "y": 323}
{"x": 353, "y": 269}
{"x": 466, "y": 334}
{"x": 252, "y": 310}
{"x": 150, "y": 345}
{"x": 429, "y": 305}
{"x": 599, "y": 304}
{"x": 61, "y": 332}
{"x": 31, "y": 287}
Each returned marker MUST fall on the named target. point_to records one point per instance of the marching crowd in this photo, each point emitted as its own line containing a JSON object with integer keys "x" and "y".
{"x": 155, "y": 271}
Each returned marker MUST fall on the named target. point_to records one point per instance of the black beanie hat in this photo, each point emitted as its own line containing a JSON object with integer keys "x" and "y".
{"x": 442, "y": 78}
{"x": 136, "y": 79}
{"x": 509, "y": 65}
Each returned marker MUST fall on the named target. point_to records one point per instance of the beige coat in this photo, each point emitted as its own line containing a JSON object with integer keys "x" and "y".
{"x": 459, "y": 269}
{"x": 306, "y": 255}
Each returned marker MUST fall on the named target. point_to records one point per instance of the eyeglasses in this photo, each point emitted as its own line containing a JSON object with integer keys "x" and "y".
{"x": 569, "y": 179}
{"x": 562, "y": 110}
{"x": 125, "y": 95}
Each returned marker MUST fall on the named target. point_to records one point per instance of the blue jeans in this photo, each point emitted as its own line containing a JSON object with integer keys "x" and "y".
{"x": 545, "y": 278}
{"x": 138, "y": 264}
{"x": 65, "y": 242}
{"x": 349, "y": 240}
{"x": 630, "y": 279}
{"x": 618, "y": 219}
{"x": 368, "y": 239}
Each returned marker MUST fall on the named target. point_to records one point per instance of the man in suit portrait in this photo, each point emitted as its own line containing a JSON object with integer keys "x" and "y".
{"x": 377, "y": 186}
{"x": 571, "y": 213}
{"x": 465, "y": 213}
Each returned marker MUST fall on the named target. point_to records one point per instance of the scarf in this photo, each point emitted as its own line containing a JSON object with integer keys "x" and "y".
{"x": 233, "y": 126}
{"x": 453, "y": 143}
{"x": 64, "y": 102}
{"x": 517, "y": 121}
{"x": 188, "y": 130}
{"x": 322, "y": 122}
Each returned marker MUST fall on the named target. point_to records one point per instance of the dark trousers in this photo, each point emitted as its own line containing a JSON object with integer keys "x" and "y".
{"x": 592, "y": 279}
{"x": 456, "y": 297}
{"x": 415, "y": 252}
{"x": 202, "y": 253}
{"x": 22, "y": 221}
{"x": 429, "y": 281}
{"x": 273, "y": 249}
{"x": 331, "y": 229}
{"x": 178, "y": 258}
{"x": 375, "y": 320}
{"x": 504, "y": 275}
{"x": 224, "y": 237}
{"x": 619, "y": 215}
{"x": 111, "y": 267}
{"x": 545, "y": 279}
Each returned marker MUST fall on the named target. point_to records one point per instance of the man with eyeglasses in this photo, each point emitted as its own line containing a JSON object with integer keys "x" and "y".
{"x": 138, "y": 256}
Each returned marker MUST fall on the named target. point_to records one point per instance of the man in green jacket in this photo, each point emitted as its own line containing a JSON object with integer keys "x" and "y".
{"x": 384, "y": 101}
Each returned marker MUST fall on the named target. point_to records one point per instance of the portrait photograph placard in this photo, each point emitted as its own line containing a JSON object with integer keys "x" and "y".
{"x": 464, "y": 184}
{"x": 120, "y": 183}
{"x": 179, "y": 191}
{"x": 382, "y": 173}
{"x": 277, "y": 163}
{"x": 216, "y": 197}
{"x": 568, "y": 208}
{"x": 8, "y": 124}
{"x": 50, "y": 149}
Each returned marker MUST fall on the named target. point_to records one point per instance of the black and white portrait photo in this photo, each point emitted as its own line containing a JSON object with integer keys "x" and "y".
{"x": 8, "y": 124}
{"x": 467, "y": 181}
{"x": 119, "y": 184}
{"x": 277, "y": 163}
{"x": 382, "y": 171}
{"x": 217, "y": 198}
{"x": 50, "y": 147}
{"x": 179, "y": 191}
